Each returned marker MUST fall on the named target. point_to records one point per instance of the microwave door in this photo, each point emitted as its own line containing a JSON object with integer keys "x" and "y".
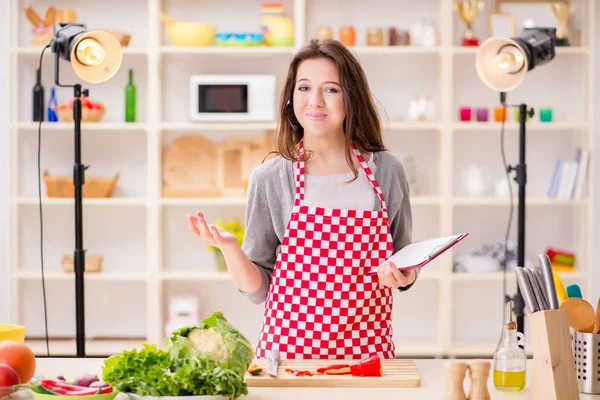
{"x": 223, "y": 99}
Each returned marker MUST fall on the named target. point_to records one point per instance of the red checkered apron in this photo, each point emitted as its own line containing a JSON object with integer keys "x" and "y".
{"x": 321, "y": 303}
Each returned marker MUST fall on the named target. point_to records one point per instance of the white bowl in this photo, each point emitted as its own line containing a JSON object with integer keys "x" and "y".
{"x": 480, "y": 264}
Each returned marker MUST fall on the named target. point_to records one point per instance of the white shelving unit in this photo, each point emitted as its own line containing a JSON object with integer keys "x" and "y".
{"x": 149, "y": 255}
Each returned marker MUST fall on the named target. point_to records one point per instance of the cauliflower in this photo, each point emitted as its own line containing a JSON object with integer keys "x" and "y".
{"x": 210, "y": 342}
{"x": 216, "y": 339}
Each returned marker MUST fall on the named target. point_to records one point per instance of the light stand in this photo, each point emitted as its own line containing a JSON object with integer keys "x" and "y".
{"x": 95, "y": 57}
{"x": 521, "y": 178}
{"x": 78, "y": 181}
{"x": 502, "y": 64}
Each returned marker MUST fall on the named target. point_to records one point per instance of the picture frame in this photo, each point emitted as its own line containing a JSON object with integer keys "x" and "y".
{"x": 501, "y": 24}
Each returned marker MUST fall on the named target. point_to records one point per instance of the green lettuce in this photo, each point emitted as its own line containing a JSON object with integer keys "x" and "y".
{"x": 181, "y": 369}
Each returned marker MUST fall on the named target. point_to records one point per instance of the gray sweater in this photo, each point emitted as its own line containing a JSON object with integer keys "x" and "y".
{"x": 271, "y": 190}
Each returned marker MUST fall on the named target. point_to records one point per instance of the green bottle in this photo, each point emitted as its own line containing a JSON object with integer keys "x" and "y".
{"x": 130, "y": 99}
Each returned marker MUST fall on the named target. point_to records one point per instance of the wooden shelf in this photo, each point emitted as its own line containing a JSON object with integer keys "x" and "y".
{"x": 241, "y": 201}
{"x": 512, "y": 126}
{"x": 109, "y": 201}
{"x": 559, "y": 50}
{"x": 218, "y": 126}
{"x": 54, "y": 275}
{"x": 234, "y": 51}
{"x": 93, "y": 347}
{"x": 505, "y": 201}
{"x": 36, "y": 51}
{"x": 85, "y": 126}
{"x": 510, "y": 275}
{"x": 263, "y": 126}
{"x": 169, "y": 274}
{"x": 395, "y": 50}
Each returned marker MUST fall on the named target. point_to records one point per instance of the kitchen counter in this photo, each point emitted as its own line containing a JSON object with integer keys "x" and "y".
{"x": 433, "y": 384}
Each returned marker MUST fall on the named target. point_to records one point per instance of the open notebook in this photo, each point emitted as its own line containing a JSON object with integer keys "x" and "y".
{"x": 419, "y": 254}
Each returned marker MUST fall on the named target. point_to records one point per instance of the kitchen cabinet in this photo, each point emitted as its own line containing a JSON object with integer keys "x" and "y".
{"x": 149, "y": 254}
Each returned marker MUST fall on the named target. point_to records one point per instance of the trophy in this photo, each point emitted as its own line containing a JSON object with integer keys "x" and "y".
{"x": 562, "y": 11}
{"x": 468, "y": 11}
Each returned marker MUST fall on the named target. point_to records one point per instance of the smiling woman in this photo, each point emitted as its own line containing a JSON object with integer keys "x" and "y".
{"x": 333, "y": 207}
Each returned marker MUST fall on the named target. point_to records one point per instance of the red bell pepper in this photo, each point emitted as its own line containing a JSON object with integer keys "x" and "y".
{"x": 64, "y": 389}
{"x": 369, "y": 367}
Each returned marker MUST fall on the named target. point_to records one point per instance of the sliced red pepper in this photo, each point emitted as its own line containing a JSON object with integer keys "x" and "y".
{"x": 369, "y": 367}
{"x": 297, "y": 372}
{"x": 338, "y": 371}
{"x": 302, "y": 373}
{"x": 335, "y": 366}
{"x": 64, "y": 389}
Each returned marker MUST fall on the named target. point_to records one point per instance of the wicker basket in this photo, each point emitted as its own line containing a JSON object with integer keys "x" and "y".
{"x": 66, "y": 114}
{"x": 92, "y": 263}
{"x": 62, "y": 186}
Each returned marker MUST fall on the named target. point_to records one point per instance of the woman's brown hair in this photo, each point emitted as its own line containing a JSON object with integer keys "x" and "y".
{"x": 361, "y": 125}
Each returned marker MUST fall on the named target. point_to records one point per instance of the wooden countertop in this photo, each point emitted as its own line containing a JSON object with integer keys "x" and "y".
{"x": 433, "y": 383}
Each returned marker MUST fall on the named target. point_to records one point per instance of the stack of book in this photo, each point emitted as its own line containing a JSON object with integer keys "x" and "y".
{"x": 569, "y": 177}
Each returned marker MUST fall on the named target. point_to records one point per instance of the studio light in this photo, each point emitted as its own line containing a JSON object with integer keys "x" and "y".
{"x": 502, "y": 64}
{"x": 95, "y": 57}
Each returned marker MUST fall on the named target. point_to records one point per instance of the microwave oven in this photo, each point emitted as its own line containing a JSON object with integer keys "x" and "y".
{"x": 232, "y": 98}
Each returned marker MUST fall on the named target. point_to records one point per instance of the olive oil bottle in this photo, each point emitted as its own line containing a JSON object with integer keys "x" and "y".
{"x": 509, "y": 360}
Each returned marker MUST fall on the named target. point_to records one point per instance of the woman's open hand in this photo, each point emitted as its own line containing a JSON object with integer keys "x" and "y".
{"x": 210, "y": 234}
{"x": 390, "y": 276}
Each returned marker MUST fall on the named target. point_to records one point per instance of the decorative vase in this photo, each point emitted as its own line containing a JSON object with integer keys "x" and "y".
{"x": 221, "y": 264}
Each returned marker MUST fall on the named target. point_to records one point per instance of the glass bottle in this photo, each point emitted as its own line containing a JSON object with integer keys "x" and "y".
{"x": 130, "y": 97}
{"x": 53, "y": 106}
{"x": 509, "y": 360}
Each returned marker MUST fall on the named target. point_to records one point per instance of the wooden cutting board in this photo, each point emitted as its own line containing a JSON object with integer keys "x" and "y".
{"x": 396, "y": 373}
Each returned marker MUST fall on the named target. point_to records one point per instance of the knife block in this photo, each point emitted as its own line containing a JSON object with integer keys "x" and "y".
{"x": 553, "y": 369}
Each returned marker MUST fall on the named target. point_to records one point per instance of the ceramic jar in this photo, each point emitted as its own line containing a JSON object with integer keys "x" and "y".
{"x": 347, "y": 36}
{"x": 324, "y": 32}
{"x": 375, "y": 36}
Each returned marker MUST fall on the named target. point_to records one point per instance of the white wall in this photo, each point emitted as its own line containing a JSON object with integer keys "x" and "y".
{"x": 3, "y": 164}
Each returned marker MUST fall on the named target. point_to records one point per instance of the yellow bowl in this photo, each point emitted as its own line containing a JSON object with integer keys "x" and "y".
{"x": 192, "y": 34}
{"x": 12, "y": 332}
